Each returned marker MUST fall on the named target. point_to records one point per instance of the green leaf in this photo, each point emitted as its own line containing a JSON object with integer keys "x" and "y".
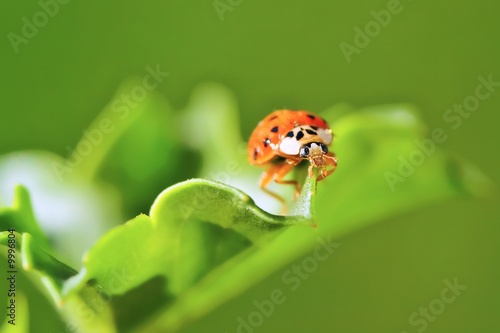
{"x": 205, "y": 241}
{"x": 73, "y": 205}
{"x": 368, "y": 144}
{"x": 112, "y": 124}
{"x": 210, "y": 123}
{"x": 85, "y": 309}
{"x": 21, "y": 218}
{"x": 144, "y": 148}
{"x": 33, "y": 257}
{"x": 194, "y": 227}
{"x": 211, "y": 242}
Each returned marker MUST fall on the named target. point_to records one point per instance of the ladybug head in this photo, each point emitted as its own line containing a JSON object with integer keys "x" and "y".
{"x": 314, "y": 152}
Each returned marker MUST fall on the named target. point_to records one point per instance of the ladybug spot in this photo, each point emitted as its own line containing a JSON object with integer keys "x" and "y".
{"x": 273, "y": 117}
{"x": 300, "y": 135}
{"x": 311, "y": 116}
{"x": 289, "y": 134}
{"x": 274, "y": 129}
{"x": 311, "y": 132}
{"x": 267, "y": 142}
{"x": 255, "y": 154}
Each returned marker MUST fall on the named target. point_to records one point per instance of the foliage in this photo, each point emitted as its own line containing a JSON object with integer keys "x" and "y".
{"x": 203, "y": 240}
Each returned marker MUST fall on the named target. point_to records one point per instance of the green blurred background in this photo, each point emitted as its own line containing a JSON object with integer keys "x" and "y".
{"x": 286, "y": 54}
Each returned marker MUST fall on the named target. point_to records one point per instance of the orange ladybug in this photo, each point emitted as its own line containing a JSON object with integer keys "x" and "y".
{"x": 283, "y": 139}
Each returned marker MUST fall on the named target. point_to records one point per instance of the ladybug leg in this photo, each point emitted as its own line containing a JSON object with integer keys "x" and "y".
{"x": 290, "y": 163}
{"x": 266, "y": 178}
{"x": 277, "y": 172}
{"x": 331, "y": 160}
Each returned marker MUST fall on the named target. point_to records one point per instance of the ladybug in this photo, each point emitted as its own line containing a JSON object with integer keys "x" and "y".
{"x": 284, "y": 139}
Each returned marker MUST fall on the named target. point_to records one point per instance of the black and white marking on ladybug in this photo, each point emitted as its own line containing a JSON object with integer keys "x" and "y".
{"x": 300, "y": 136}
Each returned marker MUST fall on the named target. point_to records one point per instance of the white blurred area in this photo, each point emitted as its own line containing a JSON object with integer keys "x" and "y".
{"x": 73, "y": 212}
